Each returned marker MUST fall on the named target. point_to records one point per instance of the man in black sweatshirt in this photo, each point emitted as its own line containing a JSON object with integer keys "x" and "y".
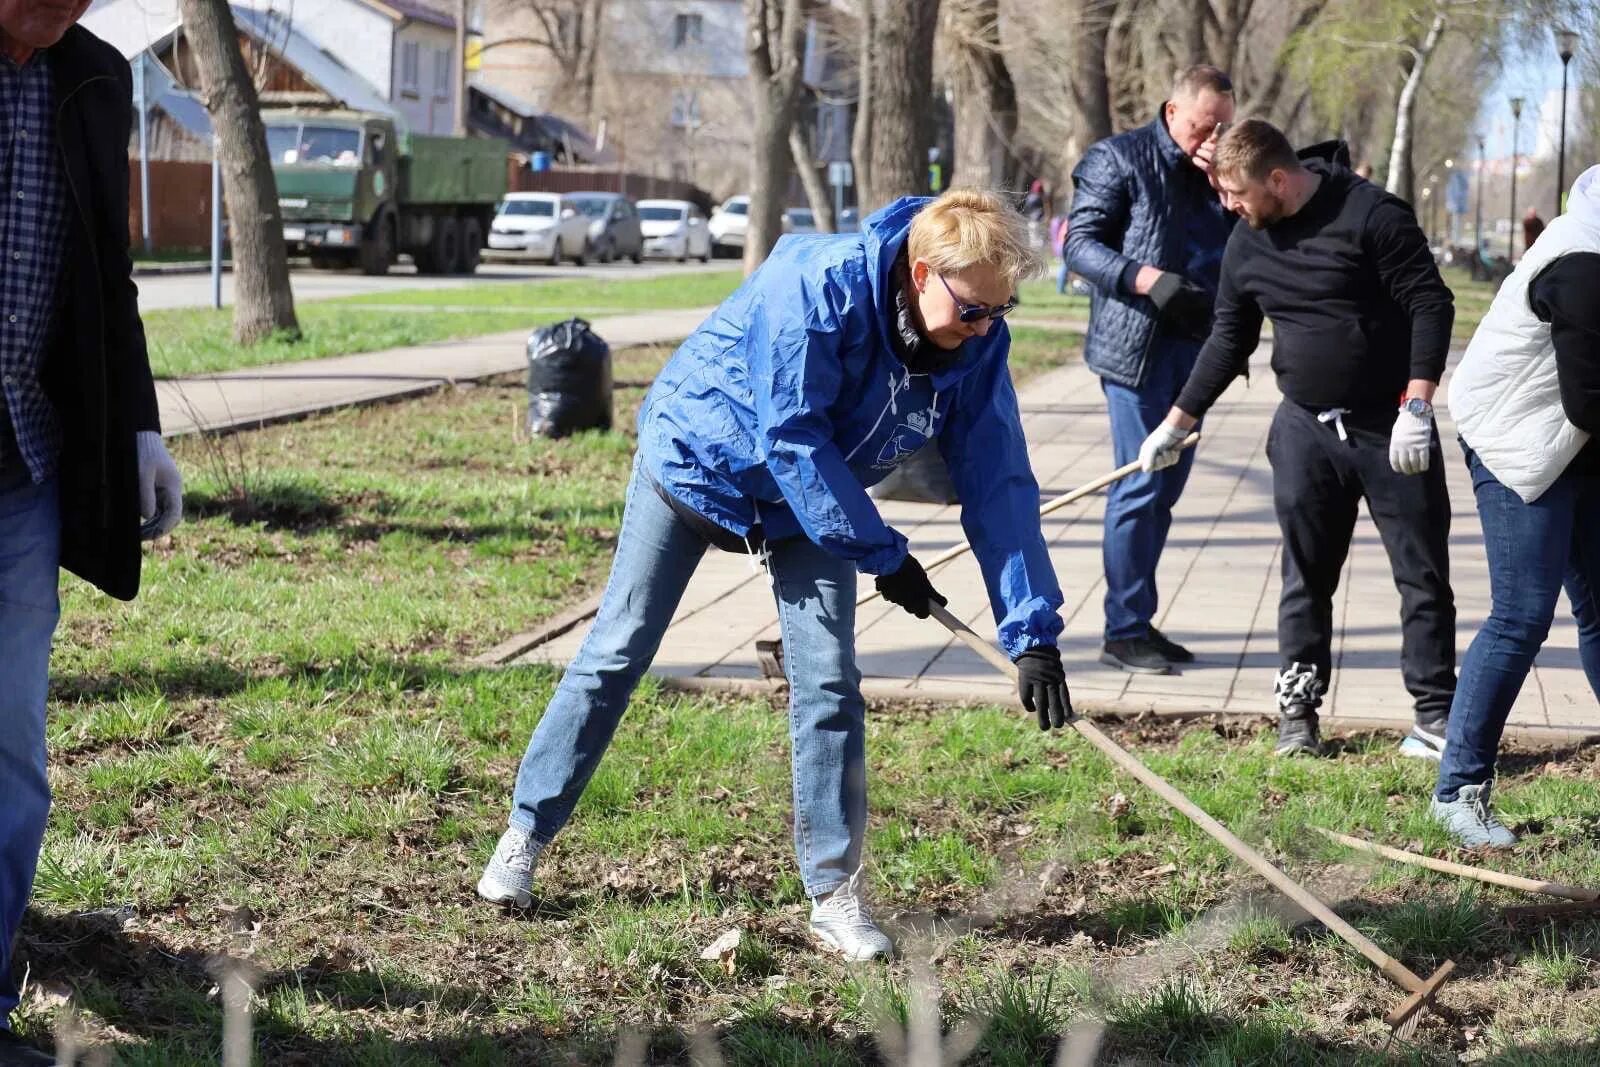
{"x": 1361, "y": 321}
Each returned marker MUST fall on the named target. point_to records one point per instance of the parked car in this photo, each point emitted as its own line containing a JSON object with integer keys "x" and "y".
{"x": 674, "y": 229}
{"x": 799, "y": 220}
{"x": 540, "y": 226}
{"x": 728, "y": 223}
{"x": 613, "y": 225}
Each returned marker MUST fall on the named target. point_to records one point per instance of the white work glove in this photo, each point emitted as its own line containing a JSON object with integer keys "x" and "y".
{"x": 1160, "y": 450}
{"x": 160, "y": 487}
{"x": 1411, "y": 442}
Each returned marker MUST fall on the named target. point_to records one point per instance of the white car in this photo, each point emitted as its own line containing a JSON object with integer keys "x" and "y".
{"x": 674, "y": 229}
{"x": 799, "y": 220}
{"x": 540, "y": 226}
{"x": 728, "y": 223}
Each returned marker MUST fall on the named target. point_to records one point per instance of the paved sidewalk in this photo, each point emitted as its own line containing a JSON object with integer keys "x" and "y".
{"x": 1219, "y": 581}
{"x": 247, "y": 398}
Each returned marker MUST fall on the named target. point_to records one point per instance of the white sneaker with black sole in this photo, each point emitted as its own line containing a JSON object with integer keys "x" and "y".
{"x": 843, "y": 923}
{"x": 508, "y": 878}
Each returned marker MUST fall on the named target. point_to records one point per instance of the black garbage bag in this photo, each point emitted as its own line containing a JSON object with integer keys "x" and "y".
{"x": 922, "y": 476}
{"x": 569, "y": 380}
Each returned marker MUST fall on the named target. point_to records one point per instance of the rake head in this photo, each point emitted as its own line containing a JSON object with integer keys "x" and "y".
{"x": 1404, "y": 1019}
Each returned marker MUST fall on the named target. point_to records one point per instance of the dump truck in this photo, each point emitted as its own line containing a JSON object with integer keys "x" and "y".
{"x": 357, "y": 190}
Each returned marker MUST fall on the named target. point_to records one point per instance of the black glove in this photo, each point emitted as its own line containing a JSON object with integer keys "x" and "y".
{"x": 1042, "y": 683}
{"x": 909, "y": 587}
{"x": 1183, "y": 304}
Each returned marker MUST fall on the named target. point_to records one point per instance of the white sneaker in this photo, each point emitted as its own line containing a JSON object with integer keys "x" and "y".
{"x": 842, "y": 922}
{"x": 1424, "y": 742}
{"x": 508, "y": 879}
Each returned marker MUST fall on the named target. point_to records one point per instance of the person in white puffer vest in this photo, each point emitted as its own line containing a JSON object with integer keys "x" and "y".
{"x": 1526, "y": 401}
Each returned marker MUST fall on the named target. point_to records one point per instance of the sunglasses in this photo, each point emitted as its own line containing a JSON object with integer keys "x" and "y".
{"x": 974, "y": 312}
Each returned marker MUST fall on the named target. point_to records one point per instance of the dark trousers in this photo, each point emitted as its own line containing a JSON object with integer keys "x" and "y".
{"x": 1318, "y": 482}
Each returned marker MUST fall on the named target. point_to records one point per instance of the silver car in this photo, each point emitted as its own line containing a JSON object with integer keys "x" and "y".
{"x": 613, "y": 225}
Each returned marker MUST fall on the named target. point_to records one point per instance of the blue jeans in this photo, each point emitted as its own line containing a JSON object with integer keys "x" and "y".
{"x": 1139, "y": 507}
{"x": 1534, "y": 550}
{"x": 1061, "y": 276}
{"x": 816, "y": 593}
{"x": 30, "y": 553}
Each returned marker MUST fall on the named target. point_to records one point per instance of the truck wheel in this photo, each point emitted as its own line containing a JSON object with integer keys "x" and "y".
{"x": 377, "y": 251}
{"x": 638, "y": 253}
{"x": 443, "y": 252}
{"x": 471, "y": 245}
{"x": 582, "y": 255}
{"x": 555, "y": 254}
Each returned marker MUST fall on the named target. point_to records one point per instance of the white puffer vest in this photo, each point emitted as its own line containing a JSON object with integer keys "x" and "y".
{"x": 1504, "y": 396}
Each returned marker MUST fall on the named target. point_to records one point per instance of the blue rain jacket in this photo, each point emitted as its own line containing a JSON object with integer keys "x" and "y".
{"x": 789, "y": 401}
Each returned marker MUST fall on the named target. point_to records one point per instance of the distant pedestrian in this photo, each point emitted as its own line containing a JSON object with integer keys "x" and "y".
{"x": 1526, "y": 401}
{"x": 1147, "y": 232}
{"x": 1361, "y": 321}
{"x": 1058, "y": 241}
{"x": 83, "y": 473}
{"x": 1532, "y": 227}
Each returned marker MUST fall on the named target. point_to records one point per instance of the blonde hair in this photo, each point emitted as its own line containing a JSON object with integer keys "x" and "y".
{"x": 967, "y": 227}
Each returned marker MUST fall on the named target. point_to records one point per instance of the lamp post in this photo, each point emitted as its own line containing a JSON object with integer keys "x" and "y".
{"x": 1477, "y": 222}
{"x": 1566, "y": 44}
{"x": 1516, "y": 128}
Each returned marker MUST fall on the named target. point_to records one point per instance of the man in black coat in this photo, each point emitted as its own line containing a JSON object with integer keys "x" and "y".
{"x": 1361, "y": 325}
{"x": 1147, "y": 232}
{"x": 83, "y": 473}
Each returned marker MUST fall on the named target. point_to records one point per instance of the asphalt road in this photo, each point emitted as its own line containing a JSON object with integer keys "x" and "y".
{"x": 194, "y": 290}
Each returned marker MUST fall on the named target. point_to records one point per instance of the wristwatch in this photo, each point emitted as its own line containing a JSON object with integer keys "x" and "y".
{"x": 1418, "y": 407}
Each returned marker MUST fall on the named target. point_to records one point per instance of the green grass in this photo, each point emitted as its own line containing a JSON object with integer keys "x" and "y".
{"x": 186, "y": 341}
{"x": 282, "y": 750}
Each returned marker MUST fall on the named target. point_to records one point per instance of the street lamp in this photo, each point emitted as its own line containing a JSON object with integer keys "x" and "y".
{"x": 1566, "y": 44}
{"x": 1516, "y": 128}
{"x": 1477, "y": 222}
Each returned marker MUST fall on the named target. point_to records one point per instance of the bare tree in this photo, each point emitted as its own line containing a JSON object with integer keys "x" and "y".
{"x": 1401, "y": 180}
{"x": 571, "y": 32}
{"x": 861, "y": 133}
{"x": 902, "y": 48}
{"x": 816, "y": 189}
{"x": 775, "y": 35}
{"x": 985, "y": 97}
{"x": 263, "y": 301}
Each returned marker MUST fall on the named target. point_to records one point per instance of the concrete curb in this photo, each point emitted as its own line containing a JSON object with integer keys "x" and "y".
{"x": 184, "y": 267}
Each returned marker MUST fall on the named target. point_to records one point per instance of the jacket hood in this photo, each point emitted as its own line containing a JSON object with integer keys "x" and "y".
{"x": 1583, "y": 203}
{"x": 1335, "y": 152}
{"x": 886, "y": 231}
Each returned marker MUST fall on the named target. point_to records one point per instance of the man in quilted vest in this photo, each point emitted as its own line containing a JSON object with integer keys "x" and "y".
{"x": 1147, "y": 232}
{"x": 1526, "y": 399}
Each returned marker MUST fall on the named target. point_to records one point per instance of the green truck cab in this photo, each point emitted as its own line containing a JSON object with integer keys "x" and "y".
{"x": 356, "y": 190}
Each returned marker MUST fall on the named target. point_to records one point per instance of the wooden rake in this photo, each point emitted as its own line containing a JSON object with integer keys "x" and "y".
{"x": 1576, "y": 899}
{"x": 769, "y": 651}
{"x": 1421, "y": 992}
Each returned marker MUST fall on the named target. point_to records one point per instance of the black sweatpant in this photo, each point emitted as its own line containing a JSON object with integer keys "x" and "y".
{"x": 1318, "y": 481}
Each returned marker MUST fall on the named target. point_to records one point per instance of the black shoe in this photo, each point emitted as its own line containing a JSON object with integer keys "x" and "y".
{"x": 1136, "y": 655}
{"x": 15, "y": 1052}
{"x": 1170, "y": 649}
{"x": 1297, "y": 732}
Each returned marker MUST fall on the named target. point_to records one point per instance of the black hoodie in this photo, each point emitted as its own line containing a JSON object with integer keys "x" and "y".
{"x": 1357, "y": 306}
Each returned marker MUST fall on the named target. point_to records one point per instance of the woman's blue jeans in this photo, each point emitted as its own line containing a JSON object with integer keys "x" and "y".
{"x": 1534, "y": 550}
{"x": 657, "y": 553}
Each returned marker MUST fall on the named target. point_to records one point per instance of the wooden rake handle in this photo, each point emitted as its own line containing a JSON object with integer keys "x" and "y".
{"x": 1462, "y": 870}
{"x": 1391, "y": 967}
{"x": 1054, "y": 504}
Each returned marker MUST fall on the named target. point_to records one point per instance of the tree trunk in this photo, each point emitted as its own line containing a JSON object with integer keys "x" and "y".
{"x": 861, "y": 132}
{"x": 1401, "y": 182}
{"x": 816, "y": 189}
{"x": 985, "y": 96}
{"x": 263, "y": 303}
{"x": 902, "y": 98}
{"x": 1091, "y": 85}
{"x": 775, "y": 43}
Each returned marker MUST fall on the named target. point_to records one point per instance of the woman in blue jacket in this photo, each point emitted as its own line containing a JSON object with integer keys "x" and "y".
{"x": 834, "y": 361}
